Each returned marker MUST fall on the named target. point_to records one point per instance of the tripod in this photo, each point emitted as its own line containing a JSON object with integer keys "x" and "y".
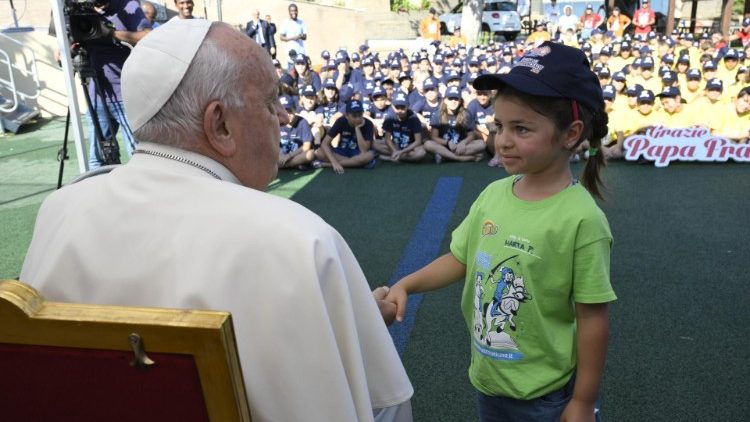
{"x": 109, "y": 146}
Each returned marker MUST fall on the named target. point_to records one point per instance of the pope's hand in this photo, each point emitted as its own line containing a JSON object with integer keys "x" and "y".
{"x": 387, "y": 309}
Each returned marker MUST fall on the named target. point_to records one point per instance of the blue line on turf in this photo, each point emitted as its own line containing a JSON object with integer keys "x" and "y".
{"x": 423, "y": 248}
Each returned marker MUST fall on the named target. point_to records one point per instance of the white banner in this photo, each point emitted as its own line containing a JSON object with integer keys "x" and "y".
{"x": 663, "y": 145}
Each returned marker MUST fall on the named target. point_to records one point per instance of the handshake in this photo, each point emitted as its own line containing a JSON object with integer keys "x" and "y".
{"x": 391, "y": 302}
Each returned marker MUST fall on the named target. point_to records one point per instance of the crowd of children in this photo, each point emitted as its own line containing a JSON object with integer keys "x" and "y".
{"x": 353, "y": 109}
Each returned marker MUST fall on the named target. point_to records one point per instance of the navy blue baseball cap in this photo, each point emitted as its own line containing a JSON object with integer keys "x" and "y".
{"x": 604, "y": 73}
{"x": 473, "y": 61}
{"x": 330, "y": 83}
{"x": 684, "y": 59}
{"x": 646, "y": 96}
{"x": 635, "y": 90}
{"x": 437, "y": 59}
{"x": 619, "y": 77}
{"x": 668, "y": 77}
{"x": 453, "y": 92}
{"x": 714, "y": 84}
{"x": 647, "y": 63}
{"x": 694, "y": 74}
{"x": 325, "y": 55}
{"x": 404, "y": 75}
{"x": 287, "y": 102}
{"x": 452, "y": 75}
{"x": 400, "y": 99}
{"x": 551, "y": 70}
{"x": 300, "y": 59}
{"x": 608, "y": 92}
{"x": 355, "y": 57}
{"x": 731, "y": 54}
{"x": 669, "y": 92}
{"x": 395, "y": 65}
{"x": 606, "y": 51}
{"x": 429, "y": 83}
{"x": 307, "y": 91}
{"x": 709, "y": 65}
{"x": 457, "y": 62}
{"x": 378, "y": 92}
{"x": 363, "y": 48}
{"x": 668, "y": 58}
{"x": 367, "y": 62}
{"x": 354, "y": 106}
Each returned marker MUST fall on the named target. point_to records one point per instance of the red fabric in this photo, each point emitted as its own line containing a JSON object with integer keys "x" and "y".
{"x": 51, "y": 383}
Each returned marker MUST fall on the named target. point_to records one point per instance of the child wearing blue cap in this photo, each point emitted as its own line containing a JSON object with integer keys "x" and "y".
{"x": 354, "y": 135}
{"x": 402, "y": 133}
{"x": 295, "y": 149}
{"x": 329, "y": 104}
{"x": 534, "y": 250}
{"x": 452, "y": 135}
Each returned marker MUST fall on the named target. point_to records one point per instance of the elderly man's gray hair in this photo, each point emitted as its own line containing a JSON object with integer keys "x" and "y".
{"x": 213, "y": 74}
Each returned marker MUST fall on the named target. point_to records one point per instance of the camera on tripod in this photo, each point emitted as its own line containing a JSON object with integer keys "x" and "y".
{"x": 86, "y": 23}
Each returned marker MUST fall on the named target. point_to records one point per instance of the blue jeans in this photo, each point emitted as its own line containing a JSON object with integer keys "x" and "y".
{"x": 547, "y": 408}
{"x": 118, "y": 120}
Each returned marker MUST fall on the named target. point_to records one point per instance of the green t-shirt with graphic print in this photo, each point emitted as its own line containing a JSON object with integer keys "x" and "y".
{"x": 527, "y": 263}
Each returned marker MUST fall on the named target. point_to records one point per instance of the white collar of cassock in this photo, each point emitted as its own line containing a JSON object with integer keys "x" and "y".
{"x": 181, "y": 156}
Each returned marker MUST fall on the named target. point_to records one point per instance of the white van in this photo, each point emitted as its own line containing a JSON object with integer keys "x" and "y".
{"x": 499, "y": 17}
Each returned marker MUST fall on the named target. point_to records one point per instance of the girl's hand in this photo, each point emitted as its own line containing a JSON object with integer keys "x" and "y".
{"x": 387, "y": 309}
{"x": 578, "y": 411}
{"x": 337, "y": 167}
{"x": 398, "y": 296}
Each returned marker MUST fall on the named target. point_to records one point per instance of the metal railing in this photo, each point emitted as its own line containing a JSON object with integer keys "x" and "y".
{"x": 26, "y": 71}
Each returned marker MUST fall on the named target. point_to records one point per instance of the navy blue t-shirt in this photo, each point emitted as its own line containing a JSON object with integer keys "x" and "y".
{"x": 292, "y": 138}
{"x": 426, "y": 110}
{"x": 479, "y": 113}
{"x": 450, "y": 131}
{"x": 377, "y": 113}
{"x": 402, "y": 131}
{"x": 328, "y": 111}
{"x": 348, "y": 142}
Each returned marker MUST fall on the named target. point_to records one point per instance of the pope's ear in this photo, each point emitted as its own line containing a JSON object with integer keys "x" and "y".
{"x": 217, "y": 131}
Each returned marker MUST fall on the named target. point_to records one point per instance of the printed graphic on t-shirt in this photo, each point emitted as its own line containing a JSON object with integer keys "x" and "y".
{"x": 499, "y": 296}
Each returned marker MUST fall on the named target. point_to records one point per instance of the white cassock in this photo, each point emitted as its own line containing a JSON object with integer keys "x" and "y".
{"x": 157, "y": 232}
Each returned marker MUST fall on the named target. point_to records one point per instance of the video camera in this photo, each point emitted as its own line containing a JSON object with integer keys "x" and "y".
{"x": 85, "y": 22}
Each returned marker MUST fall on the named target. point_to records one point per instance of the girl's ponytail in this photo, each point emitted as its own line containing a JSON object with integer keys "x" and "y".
{"x": 591, "y": 177}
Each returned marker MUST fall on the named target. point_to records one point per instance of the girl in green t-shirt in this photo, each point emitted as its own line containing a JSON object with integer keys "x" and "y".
{"x": 534, "y": 249}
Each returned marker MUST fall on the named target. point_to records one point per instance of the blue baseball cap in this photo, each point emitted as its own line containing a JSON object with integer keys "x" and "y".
{"x": 668, "y": 58}
{"x": 608, "y": 92}
{"x": 452, "y": 75}
{"x": 668, "y": 77}
{"x": 354, "y": 106}
{"x": 606, "y": 51}
{"x": 400, "y": 99}
{"x": 307, "y": 91}
{"x": 646, "y": 96}
{"x": 363, "y": 48}
{"x": 429, "y": 83}
{"x": 287, "y": 102}
{"x": 694, "y": 74}
{"x": 684, "y": 59}
{"x": 715, "y": 84}
{"x": 453, "y": 92}
{"x": 300, "y": 59}
{"x": 647, "y": 63}
{"x": 355, "y": 57}
{"x": 634, "y": 91}
{"x": 378, "y": 92}
{"x": 331, "y": 65}
{"x": 619, "y": 77}
{"x": 457, "y": 62}
{"x": 325, "y": 55}
{"x": 404, "y": 75}
{"x": 330, "y": 83}
{"x": 367, "y": 62}
{"x": 395, "y": 65}
{"x": 709, "y": 65}
{"x": 551, "y": 70}
{"x": 491, "y": 61}
{"x": 669, "y": 92}
{"x": 731, "y": 54}
{"x": 473, "y": 61}
{"x": 437, "y": 59}
{"x": 604, "y": 73}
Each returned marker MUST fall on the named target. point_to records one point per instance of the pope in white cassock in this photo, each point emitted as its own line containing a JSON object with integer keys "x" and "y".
{"x": 186, "y": 224}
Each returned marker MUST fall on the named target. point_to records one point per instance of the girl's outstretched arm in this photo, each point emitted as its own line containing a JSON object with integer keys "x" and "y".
{"x": 439, "y": 273}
